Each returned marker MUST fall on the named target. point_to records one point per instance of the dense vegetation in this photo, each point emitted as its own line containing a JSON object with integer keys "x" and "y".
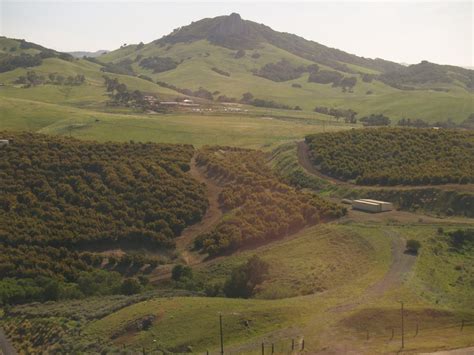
{"x": 283, "y": 71}
{"x": 246, "y": 277}
{"x": 249, "y": 99}
{"x": 348, "y": 115}
{"x": 260, "y": 207}
{"x": 394, "y": 156}
{"x": 60, "y": 195}
{"x": 120, "y": 95}
{"x": 63, "y": 192}
{"x": 375, "y": 120}
{"x": 158, "y": 64}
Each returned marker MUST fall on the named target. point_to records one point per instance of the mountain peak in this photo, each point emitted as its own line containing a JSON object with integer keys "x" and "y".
{"x": 231, "y": 25}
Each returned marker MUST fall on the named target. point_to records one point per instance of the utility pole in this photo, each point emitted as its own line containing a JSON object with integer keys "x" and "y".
{"x": 222, "y": 335}
{"x": 403, "y": 328}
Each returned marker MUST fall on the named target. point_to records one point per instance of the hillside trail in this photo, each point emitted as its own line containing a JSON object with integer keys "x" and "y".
{"x": 305, "y": 162}
{"x": 402, "y": 263}
{"x": 184, "y": 243}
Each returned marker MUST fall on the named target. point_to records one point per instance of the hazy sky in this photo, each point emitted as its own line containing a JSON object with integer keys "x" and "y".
{"x": 402, "y": 31}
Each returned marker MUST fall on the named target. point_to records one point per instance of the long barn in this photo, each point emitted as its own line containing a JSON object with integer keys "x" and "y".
{"x": 370, "y": 205}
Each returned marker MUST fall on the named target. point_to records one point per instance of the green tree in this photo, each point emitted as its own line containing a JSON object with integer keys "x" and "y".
{"x": 130, "y": 287}
{"x": 245, "y": 278}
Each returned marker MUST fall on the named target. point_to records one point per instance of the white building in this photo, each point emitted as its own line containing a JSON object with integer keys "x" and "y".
{"x": 370, "y": 205}
{"x": 4, "y": 142}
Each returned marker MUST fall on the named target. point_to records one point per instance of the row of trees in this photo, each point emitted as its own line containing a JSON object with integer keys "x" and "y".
{"x": 60, "y": 195}
{"x": 249, "y": 99}
{"x": 333, "y": 77}
{"x": 391, "y": 156}
{"x": 348, "y": 115}
{"x": 33, "y": 79}
{"x": 284, "y": 71}
{"x": 263, "y": 208}
{"x": 468, "y": 123}
{"x": 375, "y": 120}
{"x": 59, "y": 191}
{"x": 201, "y": 92}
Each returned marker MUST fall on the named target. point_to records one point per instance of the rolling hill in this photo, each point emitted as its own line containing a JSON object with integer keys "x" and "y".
{"x": 230, "y": 56}
{"x": 224, "y": 57}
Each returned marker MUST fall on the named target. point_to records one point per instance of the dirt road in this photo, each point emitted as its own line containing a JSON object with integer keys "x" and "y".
{"x": 184, "y": 242}
{"x": 402, "y": 264}
{"x": 5, "y": 347}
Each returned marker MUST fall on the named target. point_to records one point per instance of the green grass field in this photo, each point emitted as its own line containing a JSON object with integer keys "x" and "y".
{"x": 222, "y": 129}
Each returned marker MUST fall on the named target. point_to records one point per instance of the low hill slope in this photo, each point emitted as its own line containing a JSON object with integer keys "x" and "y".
{"x": 32, "y": 72}
{"x": 392, "y": 156}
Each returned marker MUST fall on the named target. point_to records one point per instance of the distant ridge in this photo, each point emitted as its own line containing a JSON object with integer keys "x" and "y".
{"x": 81, "y": 54}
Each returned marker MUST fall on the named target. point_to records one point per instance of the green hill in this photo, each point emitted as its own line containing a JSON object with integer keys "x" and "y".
{"x": 313, "y": 75}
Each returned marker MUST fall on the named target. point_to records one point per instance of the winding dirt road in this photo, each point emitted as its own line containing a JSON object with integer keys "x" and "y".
{"x": 401, "y": 265}
{"x": 184, "y": 243}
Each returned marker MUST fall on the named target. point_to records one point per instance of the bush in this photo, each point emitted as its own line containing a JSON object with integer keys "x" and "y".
{"x": 158, "y": 64}
{"x": 246, "y": 277}
{"x": 130, "y": 287}
{"x": 413, "y": 246}
{"x": 461, "y": 238}
{"x": 181, "y": 272}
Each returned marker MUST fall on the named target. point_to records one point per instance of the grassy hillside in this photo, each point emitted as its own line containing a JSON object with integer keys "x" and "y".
{"x": 425, "y": 91}
{"x": 191, "y": 323}
{"x": 198, "y": 58}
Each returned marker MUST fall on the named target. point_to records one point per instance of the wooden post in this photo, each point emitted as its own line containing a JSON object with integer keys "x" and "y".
{"x": 462, "y": 325}
{"x": 263, "y": 348}
{"x": 416, "y": 330}
{"x": 222, "y": 335}
{"x": 273, "y": 348}
{"x": 403, "y": 327}
{"x": 302, "y": 345}
{"x": 292, "y": 344}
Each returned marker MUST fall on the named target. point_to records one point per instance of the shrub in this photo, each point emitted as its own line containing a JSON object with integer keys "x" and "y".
{"x": 181, "y": 272}
{"x": 413, "y": 246}
{"x": 246, "y": 277}
{"x": 130, "y": 286}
